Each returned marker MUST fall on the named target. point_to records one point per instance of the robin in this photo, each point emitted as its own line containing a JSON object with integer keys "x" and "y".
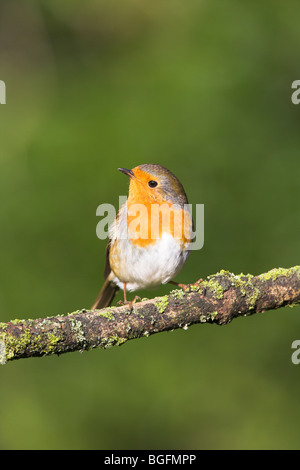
{"x": 150, "y": 239}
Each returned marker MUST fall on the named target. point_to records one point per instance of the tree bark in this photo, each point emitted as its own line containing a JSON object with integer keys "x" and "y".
{"x": 218, "y": 299}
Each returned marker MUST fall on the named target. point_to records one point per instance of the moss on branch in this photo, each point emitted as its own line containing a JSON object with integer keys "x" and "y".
{"x": 218, "y": 299}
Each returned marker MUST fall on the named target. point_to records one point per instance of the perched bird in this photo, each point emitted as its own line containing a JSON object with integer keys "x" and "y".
{"x": 150, "y": 239}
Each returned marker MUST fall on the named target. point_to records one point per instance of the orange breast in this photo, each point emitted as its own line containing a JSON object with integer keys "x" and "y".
{"x": 150, "y": 215}
{"x": 148, "y": 221}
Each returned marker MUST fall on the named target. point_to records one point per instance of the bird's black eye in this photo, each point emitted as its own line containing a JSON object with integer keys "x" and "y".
{"x": 152, "y": 183}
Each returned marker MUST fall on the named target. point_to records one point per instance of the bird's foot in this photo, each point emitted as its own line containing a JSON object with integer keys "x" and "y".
{"x": 130, "y": 303}
{"x": 186, "y": 287}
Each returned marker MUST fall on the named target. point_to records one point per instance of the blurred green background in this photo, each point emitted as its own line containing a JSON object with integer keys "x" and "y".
{"x": 203, "y": 88}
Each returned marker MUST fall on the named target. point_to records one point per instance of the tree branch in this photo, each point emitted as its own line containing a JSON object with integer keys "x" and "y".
{"x": 218, "y": 299}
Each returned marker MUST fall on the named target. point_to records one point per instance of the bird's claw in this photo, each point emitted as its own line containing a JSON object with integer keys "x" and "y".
{"x": 186, "y": 287}
{"x": 130, "y": 303}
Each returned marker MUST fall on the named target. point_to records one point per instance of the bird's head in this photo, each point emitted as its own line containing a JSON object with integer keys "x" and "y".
{"x": 152, "y": 183}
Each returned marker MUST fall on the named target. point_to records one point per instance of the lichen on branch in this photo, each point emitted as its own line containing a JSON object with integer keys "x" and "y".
{"x": 218, "y": 299}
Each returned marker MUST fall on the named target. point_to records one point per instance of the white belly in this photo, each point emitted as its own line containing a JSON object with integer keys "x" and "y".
{"x": 147, "y": 267}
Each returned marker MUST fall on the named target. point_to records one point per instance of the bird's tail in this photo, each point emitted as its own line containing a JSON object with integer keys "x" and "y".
{"x": 106, "y": 295}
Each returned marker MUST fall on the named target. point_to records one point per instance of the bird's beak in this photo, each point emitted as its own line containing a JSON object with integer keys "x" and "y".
{"x": 127, "y": 172}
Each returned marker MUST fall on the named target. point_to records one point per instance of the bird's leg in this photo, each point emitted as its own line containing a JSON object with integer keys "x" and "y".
{"x": 130, "y": 303}
{"x": 124, "y": 302}
{"x": 185, "y": 287}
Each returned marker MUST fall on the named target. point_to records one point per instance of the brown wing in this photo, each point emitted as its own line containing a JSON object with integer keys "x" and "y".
{"x": 107, "y": 268}
{"x": 109, "y": 289}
